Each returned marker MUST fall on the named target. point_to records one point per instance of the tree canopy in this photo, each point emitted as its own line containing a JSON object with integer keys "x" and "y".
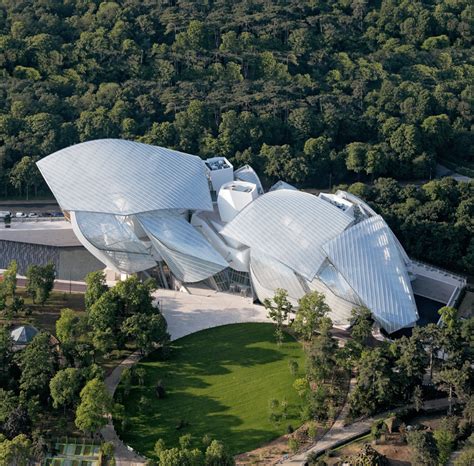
{"x": 307, "y": 91}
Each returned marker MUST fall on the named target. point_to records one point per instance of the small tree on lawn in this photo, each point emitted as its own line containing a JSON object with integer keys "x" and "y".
{"x": 312, "y": 308}
{"x": 95, "y": 405}
{"x": 278, "y": 309}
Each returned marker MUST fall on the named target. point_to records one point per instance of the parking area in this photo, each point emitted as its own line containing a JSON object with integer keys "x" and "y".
{"x": 21, "y": 209}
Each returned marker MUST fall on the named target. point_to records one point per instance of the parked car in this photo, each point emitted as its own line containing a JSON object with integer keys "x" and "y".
{"x": 5, "y": 213}
{"x": 33, "y": 215}
{"x": 57, "y": 214}
{"x": 46, "y": 214}
{"x": 20, "y": 215}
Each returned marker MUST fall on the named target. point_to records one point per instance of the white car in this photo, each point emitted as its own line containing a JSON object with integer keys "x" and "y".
{"x": 20, "y": 215}
{"x": 33, "y": 215}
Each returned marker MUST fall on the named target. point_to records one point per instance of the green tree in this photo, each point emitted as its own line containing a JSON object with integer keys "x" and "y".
{"x": 24, "y": 175}
{"x": 16, "y": 452}
{"x": 321, "y": 353}
{"x": 453, "y": 382}
{"x": 70, "y": 326}
{"x": 278, "y": 309}
{"x": 147, "y": 330}
{"x": 40, "y": 282}
{"x": 65, "y": 387}
{"x": 38, "y": 362}
{"x": 312, "y": 308}
{"x": 95, "y": 404}
{"x": 410, "y": 364}
{"x": 356, "y": 156}
{"x": 8, "y": 402}
{"x": 6, "y": 355}
{"x": 445, "y": 441}
{"x": 362, "y": 321}
{"x": 8, "y": 283}
{"x": 216, "y": 455}
{"x": 374, "y": 387}
{"x": 423, "y": 448}
{"x": 96, "y": 287}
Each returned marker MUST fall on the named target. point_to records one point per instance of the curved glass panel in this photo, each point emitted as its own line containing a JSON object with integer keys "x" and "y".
{"x": 369, "y": 259}
{"x": 124, "y": 177}
{"x": 112, "y": 241}
{"x": 290, "y": 226}
{"x": 337, "y": 284}
{"x": 247, "y": 173}
{"x": 272, "y": 274}
{"x": 188, "y": 254}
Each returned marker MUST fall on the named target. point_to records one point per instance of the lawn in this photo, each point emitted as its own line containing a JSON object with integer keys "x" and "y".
{"x": 219, "y": 381}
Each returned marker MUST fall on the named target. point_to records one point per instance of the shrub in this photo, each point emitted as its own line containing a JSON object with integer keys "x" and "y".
{"x": 293, "y": 445}
{"x": 160, "y": 390}
{"x": 312, "y": 430}
{"x": 293, "y": 366}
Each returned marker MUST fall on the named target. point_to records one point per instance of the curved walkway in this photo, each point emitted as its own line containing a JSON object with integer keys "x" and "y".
{"x": 185, "y": 314}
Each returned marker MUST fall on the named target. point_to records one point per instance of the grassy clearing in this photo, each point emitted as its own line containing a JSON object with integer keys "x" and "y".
{"x": 220, "y": 382}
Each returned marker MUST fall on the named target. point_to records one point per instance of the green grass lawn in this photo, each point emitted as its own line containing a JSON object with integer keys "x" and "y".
{"x": 220, "y": 381}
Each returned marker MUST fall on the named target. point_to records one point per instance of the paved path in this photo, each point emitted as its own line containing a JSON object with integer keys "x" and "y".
{"x": 185, "y": 314}
{"x": 189, "y": 313}
{"x": 123, "y": 455}
{"x": 340, "y": 434}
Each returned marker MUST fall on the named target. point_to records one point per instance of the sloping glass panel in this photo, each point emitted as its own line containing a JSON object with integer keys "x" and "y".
{"x": 337, "y": 284}
{"x": 125, "y": 177}
{"x": 112, "y": 241}
{"x": 290, "y": 226}
{"x": 341, "y": 309}
{"x": 188, "y": 254}
{"x": 272, "y": 274}
{"x": 247, "y": 173}
{"x": 368, "y": 258}
{"x": 282, "y": 185}
{"x": 368, "y": 211}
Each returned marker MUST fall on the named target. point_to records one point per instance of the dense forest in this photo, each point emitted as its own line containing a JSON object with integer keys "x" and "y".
{"x": 434, "y": 222}
{"x": 314, "y": 92}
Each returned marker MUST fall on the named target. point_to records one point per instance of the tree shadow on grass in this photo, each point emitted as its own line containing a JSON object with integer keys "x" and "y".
{"x": 201, "y": 415}
{"x": 242, "y": 345}
{"x": 193, "y": 359}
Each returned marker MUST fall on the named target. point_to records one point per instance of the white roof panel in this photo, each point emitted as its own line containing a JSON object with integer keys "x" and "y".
{"x": 368, "y": 258}
{"x": 290, "y": 226}
{"x": 125, "y": 177}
